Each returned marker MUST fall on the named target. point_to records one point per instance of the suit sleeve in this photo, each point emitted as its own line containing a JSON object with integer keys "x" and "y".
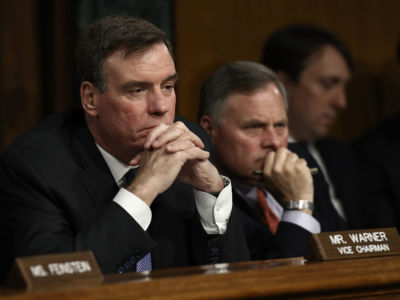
{"x": 289, "y": 240}
{"x": 228, "y": 247}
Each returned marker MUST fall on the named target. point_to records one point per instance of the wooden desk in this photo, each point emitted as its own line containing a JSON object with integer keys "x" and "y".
{"x": 372, "y": 278}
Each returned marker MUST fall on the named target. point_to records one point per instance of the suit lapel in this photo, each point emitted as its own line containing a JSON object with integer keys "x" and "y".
{"x": 95, "y": 174}
{"x": 244, "y": 206}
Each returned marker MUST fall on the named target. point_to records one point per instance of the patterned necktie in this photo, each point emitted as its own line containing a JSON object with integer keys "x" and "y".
{"x": 267, "y": 215}
{"x": 144, "y": 264}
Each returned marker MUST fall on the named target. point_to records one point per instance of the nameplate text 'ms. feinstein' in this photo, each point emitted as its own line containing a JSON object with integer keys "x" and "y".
{"x": 54, "y": 271}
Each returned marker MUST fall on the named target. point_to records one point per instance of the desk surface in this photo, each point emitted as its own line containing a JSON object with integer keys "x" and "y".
{"x": 372, "y": 278}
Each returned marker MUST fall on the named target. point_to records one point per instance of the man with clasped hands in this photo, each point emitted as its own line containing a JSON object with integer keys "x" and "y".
{"x": 63, "y": 185}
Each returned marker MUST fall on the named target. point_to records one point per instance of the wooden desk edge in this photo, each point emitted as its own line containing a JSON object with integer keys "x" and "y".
{"x": 315, "y": 280}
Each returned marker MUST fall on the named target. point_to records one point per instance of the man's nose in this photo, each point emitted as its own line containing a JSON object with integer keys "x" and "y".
{"x": 271, "y": 139}
{"x": 158, "y": 103}
{"x": 340, "y": 98}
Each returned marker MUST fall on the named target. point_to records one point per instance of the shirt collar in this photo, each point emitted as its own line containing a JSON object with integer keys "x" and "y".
{"x": 241, "y": 187}
{"x": 249, "y": 193}
{"x": 118, "y": 168}
{"x": 291, "y": 139}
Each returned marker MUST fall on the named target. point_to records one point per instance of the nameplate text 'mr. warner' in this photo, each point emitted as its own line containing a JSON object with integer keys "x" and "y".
{"x": 354, "y": 244}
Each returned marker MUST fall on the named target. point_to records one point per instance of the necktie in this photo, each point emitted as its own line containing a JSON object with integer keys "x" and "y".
{"x": 144, "y": 264}
{"x": 267, "y": 215}
{"x": 128, "y": 177}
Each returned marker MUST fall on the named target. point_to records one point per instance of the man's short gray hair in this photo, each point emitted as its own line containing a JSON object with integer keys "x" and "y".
{"x": 234, "y": 78}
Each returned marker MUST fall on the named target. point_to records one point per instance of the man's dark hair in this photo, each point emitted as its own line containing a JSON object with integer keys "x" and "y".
{"x": 107, "y": 35}
{"x": 290, "y": 48}
{"x": 237, "y": 77}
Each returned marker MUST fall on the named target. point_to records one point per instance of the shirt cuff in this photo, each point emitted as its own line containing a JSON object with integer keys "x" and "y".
{"x": 135, "y": 207}
{"x": 299, "y": 218}
{"x": 214, "y": 211}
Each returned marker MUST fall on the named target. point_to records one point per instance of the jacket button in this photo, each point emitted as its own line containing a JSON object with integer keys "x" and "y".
{"x": 214, "y": 250}
{"x": 121, "y": 270}
{"x": 127, "y": 264}
{"x": 132, "y": 260}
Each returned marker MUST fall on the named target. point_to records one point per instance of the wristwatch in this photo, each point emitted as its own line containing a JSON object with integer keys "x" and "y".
{"x": 298, "y": 205}
{"x": 225, "y": 180}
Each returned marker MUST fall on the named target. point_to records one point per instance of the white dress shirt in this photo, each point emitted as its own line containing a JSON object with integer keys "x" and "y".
{"x": 214, "y": 211}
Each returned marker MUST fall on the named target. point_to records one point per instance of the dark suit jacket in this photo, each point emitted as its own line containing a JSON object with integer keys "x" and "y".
{"x": 290, "y": 240}
{"x": 379, "y": 151}
{"x": 324, "y": 211}
{"x": 345, "y": 173}
{"x": 56, "y": 196}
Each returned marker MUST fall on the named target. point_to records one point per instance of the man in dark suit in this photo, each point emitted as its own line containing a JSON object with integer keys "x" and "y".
{"x": 314, "y": 67}
{"x": 379, "y": 150}
{"x": 243, "y": 108}
{"x": 64, "y": 186}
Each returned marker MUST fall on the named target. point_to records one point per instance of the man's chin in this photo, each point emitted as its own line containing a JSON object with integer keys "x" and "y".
{"x": 324, "y": 132}
{"x": 318, "y": 133}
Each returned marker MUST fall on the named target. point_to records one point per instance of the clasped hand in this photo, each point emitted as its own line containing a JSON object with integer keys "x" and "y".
{"x": 170, "y": 152}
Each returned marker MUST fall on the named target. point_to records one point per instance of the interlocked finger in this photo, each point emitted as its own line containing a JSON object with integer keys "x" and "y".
{"x": 177, "y": 137}
{"x": 154, "y": 134}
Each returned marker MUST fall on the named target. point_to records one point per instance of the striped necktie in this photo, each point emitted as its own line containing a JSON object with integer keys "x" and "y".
{"x": 144, "y": 264}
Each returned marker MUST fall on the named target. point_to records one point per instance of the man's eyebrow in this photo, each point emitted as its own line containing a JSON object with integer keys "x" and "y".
{"x": 173, "y": 77}
{"x": 254, "y": 121}
{"x": 138, "y": 83}
{"x": 334, "y": 78}
{"x": 283, "y": 120}
{"x": 132, "y": 84}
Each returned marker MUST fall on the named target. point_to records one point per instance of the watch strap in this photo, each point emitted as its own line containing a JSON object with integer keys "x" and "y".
{"x": 298, "y": 205}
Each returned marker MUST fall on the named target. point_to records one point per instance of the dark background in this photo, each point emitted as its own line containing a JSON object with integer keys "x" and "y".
{"x": 37, "y": 42}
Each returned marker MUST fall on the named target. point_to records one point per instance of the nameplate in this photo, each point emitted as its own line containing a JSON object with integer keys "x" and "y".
{"x": 54, "y": 271}
{"x": 354, "y": 244}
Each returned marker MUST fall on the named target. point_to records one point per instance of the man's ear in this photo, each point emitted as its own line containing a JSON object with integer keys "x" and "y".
{"x": 206, "y": 123}
{"x": 89, "y": 98}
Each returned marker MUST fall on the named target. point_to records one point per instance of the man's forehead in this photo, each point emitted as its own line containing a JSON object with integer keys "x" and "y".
{"x": 327, "y": 73}
{"x": 124, "y": 53}
{"x": 148, "y": 62}
{"x": 329, "y": 59}
{"x": 242, "y": 109}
